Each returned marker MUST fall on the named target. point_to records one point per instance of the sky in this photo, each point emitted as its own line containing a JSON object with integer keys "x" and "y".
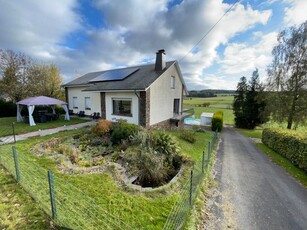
{"x": 81, "y": 36}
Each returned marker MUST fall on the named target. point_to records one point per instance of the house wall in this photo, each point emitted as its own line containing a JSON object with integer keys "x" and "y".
{"x": 162, "y": 96}
{"x": 123, "y": 95}
{"x": 77, "y": 92}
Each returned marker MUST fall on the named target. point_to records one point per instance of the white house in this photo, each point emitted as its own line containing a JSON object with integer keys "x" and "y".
{"x": 146, "y": 95}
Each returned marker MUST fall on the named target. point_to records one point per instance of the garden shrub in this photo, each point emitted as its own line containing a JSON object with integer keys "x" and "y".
{"x": 151, "y": 169}
{"x": 143, "y": 138}
{"x": 7, "y": 108}
{"x": 122, "y": 131}
{"x": 217, "y": 121}
{"x": 288, "y": 143}
{"x": 74, "y": 155}
{"x": 188, "y": 135}
{"x": 164, "y": 143}
{"x": 102, "y": 127}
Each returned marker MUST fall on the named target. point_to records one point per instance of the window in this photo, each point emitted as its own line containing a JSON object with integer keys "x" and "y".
{"x": 176, "y": 106}
{"x": 87, "y": 103}
{"x": 75, "y": 102}
{"x": 172, "y": 82}
{"x": 122, "y": 107}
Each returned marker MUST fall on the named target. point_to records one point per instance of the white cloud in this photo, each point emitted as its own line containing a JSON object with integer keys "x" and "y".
{"x": 296, "y": 13}
{"x": 134, "y": 31}
{"x": 243, "y": 57}
{"x": 35, "y": 27}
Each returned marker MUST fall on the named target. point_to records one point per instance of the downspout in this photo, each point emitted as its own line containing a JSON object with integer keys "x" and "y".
{"x": 139, "y": 106}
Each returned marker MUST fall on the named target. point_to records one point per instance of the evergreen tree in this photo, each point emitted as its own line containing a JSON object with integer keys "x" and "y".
{"x": 248, "y": 105}
{"x": 238, "y": 104}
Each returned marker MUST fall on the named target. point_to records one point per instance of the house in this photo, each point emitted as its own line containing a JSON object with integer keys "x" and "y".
{"x": 146, "y": 95}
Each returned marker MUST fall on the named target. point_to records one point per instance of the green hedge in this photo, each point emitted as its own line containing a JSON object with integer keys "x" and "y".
{"x": 7, "y": 108}
{"x": 288, "y": 143}
{"x": 217, "y": 121}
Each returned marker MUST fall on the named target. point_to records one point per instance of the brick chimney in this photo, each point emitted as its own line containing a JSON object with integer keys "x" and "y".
{"x": 160, "y": 60}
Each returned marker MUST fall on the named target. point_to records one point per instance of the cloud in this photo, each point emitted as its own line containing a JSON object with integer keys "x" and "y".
{"x": 35, "y": 27}
{"x": 244, "y": 57}
{"x": 296, "y": 13}
{"x": 133, "y": 32}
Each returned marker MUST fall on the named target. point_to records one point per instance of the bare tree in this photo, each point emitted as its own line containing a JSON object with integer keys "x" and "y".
{"x": 288, "y": 77}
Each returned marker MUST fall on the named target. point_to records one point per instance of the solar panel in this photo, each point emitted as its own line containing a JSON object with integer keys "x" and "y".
{"x": 115, "y": 75}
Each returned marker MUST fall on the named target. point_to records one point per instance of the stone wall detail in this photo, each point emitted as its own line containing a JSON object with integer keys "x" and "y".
{"x": 144, "y": 108}
{"x": 103, "y": 104}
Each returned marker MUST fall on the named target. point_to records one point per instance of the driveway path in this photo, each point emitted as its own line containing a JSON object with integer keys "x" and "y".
{"x": 254, "y": 193}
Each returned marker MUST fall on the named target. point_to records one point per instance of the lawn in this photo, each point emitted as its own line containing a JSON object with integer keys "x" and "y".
{"x": 253, "y": 133}
{"x": 223, "y": 103}
{"x": 17, "y": 209}
{"x": 98, "y": 199}
{"x": 20, "y": 127}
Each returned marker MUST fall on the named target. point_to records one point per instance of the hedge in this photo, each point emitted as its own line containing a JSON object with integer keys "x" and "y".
{"x": 7, "y": 108}
{"x": 288, "y": 143}
{"x": 217, "y": 121}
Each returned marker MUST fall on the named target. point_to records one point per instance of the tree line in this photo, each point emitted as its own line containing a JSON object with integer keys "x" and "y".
{"x": 22, "y": 77}
{"x": 284, "y": 97}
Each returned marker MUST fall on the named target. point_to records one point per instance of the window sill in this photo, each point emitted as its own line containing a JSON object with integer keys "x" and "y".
{"x": 122, "y": 115}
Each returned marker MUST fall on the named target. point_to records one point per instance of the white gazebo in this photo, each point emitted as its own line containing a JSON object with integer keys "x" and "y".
{"x": 31, "y": 102}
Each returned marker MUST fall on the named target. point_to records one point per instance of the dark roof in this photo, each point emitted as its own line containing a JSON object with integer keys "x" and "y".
{"x": 139, "y": 80}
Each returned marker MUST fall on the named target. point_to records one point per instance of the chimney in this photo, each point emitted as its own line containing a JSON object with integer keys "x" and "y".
{"x": 160, "y": 62}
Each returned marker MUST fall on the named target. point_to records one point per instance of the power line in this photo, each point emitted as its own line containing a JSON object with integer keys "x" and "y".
{"x": 212, "y": 27}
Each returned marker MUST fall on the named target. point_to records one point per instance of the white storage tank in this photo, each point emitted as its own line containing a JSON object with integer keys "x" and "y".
{"x": 206, "y": 118}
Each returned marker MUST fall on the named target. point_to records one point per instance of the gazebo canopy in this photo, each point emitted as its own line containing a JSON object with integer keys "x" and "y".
{"x": 31, "y": 102}
{"x": 41, "y": 100}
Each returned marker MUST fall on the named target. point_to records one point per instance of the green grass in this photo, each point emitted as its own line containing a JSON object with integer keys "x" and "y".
{"x": 21, "y": 127}
{"x": 91, "y": 195}
{"x": 253, "y": 133}
{"x": 223, "y": 103}
{"x": 17, "y": 209}
{"x": 295, "y": 172}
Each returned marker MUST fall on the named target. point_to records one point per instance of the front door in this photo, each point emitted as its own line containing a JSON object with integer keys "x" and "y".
{"x": 176, "y": 106}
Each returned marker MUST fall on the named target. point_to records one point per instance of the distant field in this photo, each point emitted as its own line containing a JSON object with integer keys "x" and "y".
{"x": 223, "y": 103}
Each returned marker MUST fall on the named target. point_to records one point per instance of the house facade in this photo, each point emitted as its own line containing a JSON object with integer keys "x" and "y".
{"x": 146, "y": 95}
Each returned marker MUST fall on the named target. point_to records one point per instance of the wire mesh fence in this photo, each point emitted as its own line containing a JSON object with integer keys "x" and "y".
{"x": 52, "y": 192}
{"x": 7, "y": 133}
{"x": 181, "y": 208}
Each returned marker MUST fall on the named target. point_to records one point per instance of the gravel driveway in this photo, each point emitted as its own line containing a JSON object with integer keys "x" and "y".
{"x": 252, "y": 192}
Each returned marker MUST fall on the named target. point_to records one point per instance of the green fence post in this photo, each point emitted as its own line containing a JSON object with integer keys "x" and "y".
{"x": 13, "y": 126}
{"x": 16, "y": 164}
{"x": 191, "y": 187}
{"x": 203, "y": 162}
{"x": 52, "y": 194}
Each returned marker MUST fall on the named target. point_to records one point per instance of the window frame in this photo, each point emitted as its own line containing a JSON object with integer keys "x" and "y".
{"x": 173, "y": 84}
{"x": 123, "y": 100}
{"x": 85, "y": 104}
{"x": 75, "y": 102}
